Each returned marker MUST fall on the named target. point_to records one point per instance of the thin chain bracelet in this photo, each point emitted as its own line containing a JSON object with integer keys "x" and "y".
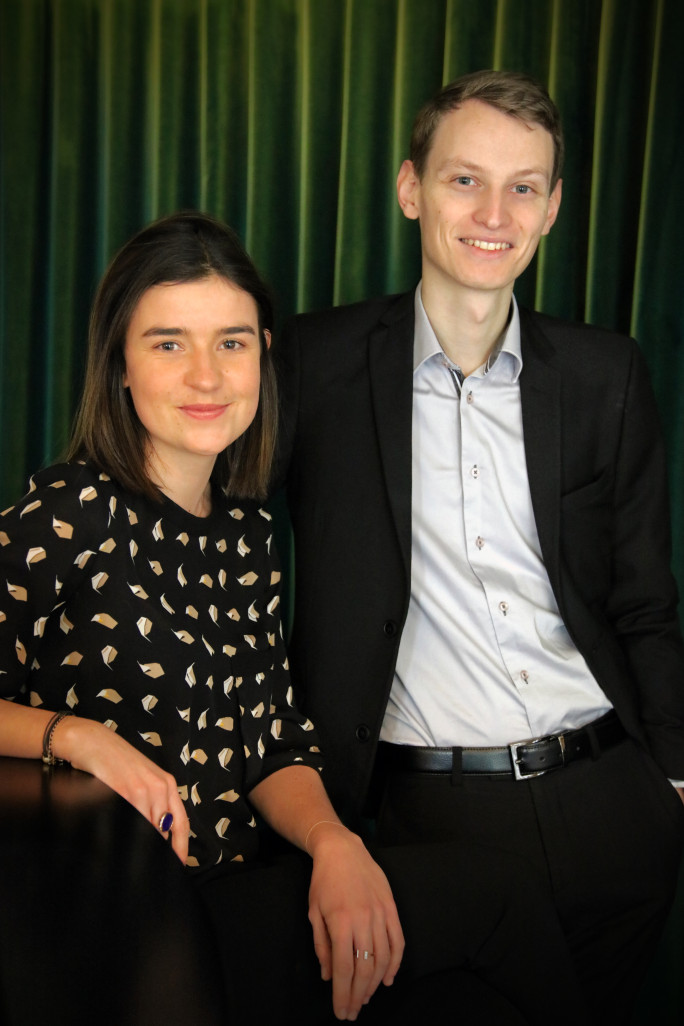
{"x": 48, "y": 757}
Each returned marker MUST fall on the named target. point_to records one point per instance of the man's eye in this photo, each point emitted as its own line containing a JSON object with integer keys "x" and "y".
{"x": 522, "y": 190}
{"x": 464, "y": 180}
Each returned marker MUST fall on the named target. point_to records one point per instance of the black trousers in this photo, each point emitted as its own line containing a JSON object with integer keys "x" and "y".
{"x": 601, "y": 839}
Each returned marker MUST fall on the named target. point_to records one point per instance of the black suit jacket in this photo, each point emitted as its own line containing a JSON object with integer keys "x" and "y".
{"x": 597, "y": 478}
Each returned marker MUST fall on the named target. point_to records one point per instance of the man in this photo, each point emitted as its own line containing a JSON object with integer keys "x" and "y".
{"x": 482, "y": 551}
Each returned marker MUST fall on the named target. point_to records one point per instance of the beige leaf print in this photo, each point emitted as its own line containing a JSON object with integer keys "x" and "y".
{"x": 38, "y": 627}
{"x": 190, "y": 675}
{"x": 307, "y": 725}
{"x": 72, "y": 701}
{"x": 233, "y": 614}
{"x": 132, "y": 517}
{"x": 258, "y": 711}
{"x": 87, "y": 494}
{"x": 65, "y": 623}
{"x": 221, "y": 545}
{"x": 149, "y": 702}
{"x": 213, "y": 613}
{"x": 207, "y": 646}
{"x": 183, "y": 792}
{"x": 17, "y": 592}
{"x": 152, "y": 669}
{"x": 275, "y": 576}
{"x": 210, "y": 682}
{"x": 228, "y": 685}
{"x": 250, "y": 639}
{"x": 184, "y": 714}
{"x": 229, "y": 650}
{"x": 155, "y": 567}
{"x": 3, "y": 617}
{"x": 73, "y": 659}
{"x": 157, "y": 531}
{"x": 82, "y": 558}
{"x": 105, "y": 620}
{"x": 225, "y": 722}
{"x": 223, "y": 577}
{"x": 62, "y": 529}
{"x": 112, "y": 507}
{"x": 182, "y": 580}
{"x": 202, "y": 720}
{"x": 236, "y": 514}
{"x": 252, "y": 613}
{"x": 185, "y": 754}
{"x": 191, "y": 611}
{"x": 273, "y": 604}
{"x": 206, "y": 580}
{"x": 203, "y": 542}
{"x": 109, "y": 654}
{"x": 4, "y": 538}
{"x": 260, "y": 748}
{"x": 99, "y": 580}
{"x": 199, "y": 755}
{"x": 224, "y": 756}
{"x": 195, "y": 795}
{"x": 152, "y": 737}
{"x": 227, "y": 796}
{"x": 184, "y": 636}
{"x": 248, "y": 578}
{"x": 242, "y": 547}
{"x": 183, "y": 538}
{"x": 167, "y": 606}
{"x": 133, "y": 548}
{"x": 108, "y": 546}
{"x": 110, "y": 694}
{"x": 222, "y": 826}
{"x": 30, "y": 508}
{"x": 20, "y": 651}
{"x": 144, "y": 625}
{"x": 34, "y": 699}
{"x": 276, "y": 728}
{"x": 139, "y": 591}
{"x": 265, "y": 515}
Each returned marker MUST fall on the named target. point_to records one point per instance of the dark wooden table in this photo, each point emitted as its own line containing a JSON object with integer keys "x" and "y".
{"x": 98, "y": 921}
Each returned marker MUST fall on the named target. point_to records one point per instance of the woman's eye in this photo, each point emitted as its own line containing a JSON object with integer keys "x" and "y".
{"x": 231, "y": 343}
{"x": 167, "y": 347}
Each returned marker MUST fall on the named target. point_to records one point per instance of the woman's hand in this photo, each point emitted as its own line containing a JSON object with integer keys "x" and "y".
{"x": 92, "y": 747}
{"x": 357, "y": 934}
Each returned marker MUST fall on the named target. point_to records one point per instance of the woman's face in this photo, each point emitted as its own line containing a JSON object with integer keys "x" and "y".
{"x": 192, "y": 356}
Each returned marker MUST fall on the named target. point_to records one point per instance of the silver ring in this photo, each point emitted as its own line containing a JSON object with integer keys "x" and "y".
{"x": 165, "y": 822}
{"x": 365, "y": 955}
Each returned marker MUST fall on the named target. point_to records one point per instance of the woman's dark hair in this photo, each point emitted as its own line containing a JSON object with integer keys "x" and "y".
{"x": 182, "y": 247}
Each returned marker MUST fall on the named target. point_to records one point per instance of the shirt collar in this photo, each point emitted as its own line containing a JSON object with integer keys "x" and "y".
{"x": 426, "y": 345}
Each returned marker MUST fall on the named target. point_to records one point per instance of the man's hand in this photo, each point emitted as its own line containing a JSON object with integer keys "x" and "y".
{"x": 351, "y": 909}
{"x": 680, "y": 792}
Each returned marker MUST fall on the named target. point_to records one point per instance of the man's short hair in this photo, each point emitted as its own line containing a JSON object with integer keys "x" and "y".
{"x": 510, "y": 92}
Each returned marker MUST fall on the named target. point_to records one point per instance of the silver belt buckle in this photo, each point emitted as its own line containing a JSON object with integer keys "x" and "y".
{"x": 517, "y": 772}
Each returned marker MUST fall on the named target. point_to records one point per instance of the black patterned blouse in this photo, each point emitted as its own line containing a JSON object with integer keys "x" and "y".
{"x": 162, "y": 625}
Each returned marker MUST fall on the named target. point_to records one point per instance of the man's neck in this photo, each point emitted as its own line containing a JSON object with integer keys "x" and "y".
{"x": 468, "y": 324}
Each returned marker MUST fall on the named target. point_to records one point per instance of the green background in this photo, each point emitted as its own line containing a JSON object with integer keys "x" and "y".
{"x": 289, "y": 119}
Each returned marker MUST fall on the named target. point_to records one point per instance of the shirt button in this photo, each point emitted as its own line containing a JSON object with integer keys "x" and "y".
{"x": 474, "y": 471}
{"x": 524, "y": 676}
{"x": 479, "y": 542}
{"x": 470, "y": 398}
{"x": 390, "y": 628}
{"x": 503, "y": 607}
{"x": 363, "y": 732}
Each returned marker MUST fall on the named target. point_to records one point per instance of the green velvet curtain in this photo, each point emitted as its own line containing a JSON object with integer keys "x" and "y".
{"x": 289, "y": 119}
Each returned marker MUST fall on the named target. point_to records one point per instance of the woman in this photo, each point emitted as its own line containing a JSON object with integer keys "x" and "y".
{"x": 140, "y": 637}
{"x": 140, "y": 641}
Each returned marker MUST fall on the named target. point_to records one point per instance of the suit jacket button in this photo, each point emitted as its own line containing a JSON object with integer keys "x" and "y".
{"x": 363, "y": 732}
{"x": 390, "y": 628}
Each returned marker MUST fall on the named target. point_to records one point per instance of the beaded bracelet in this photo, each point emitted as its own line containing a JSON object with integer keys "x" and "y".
{"x": 48, "y": 757}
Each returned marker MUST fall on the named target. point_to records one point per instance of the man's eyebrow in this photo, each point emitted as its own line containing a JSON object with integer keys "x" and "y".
{"x": 235, "y": 329}
{"x": 457, "y": 164}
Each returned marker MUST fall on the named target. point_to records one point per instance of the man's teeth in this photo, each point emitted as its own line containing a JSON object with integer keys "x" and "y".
{"x": 486, "y": 245}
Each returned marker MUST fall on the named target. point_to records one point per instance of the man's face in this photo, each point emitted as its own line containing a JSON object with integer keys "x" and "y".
{"x": 483, "y": 202}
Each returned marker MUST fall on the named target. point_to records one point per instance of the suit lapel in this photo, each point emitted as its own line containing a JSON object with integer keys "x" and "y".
{"x": 390, "y": 355}
{"x": 540, "y": 397}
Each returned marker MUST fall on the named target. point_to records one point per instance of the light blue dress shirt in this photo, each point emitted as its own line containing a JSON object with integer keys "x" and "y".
{"x": 485, "y": 658}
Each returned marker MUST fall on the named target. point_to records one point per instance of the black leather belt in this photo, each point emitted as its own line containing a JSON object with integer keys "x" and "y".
{"x": 521, "y": 759}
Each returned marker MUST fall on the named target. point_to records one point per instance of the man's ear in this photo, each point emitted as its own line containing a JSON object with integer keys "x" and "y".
{"x": 408, "y": 191}
{"x": 554, "y": 206}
